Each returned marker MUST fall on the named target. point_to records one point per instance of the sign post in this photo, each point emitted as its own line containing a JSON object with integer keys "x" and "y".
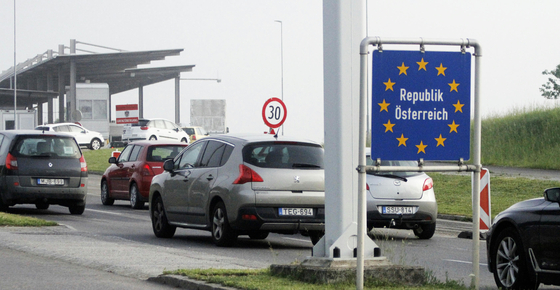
{"x": 274, "y": 113}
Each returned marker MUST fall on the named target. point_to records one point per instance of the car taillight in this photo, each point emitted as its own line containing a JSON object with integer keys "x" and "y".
{"x": 83, "y": 164}
{"x": 367, "y": 186}
{"x": 144, "y": 128}
{"x": 11, "y": 162}
{"x": 147, "y": 170}
{"x": 194, "y": 137}
{"x": 428, "y": 184}
{"x": 247, "y": 174}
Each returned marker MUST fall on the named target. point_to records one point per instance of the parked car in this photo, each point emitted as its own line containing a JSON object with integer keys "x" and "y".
{"x": 42, "y": 168}
{"x": 522, "y": 243}
{"x": 91, "y": 139}
{"x": 401, "y": 200}
{"x": 195, "y": 132}
{"x": 129, "y": 176}
{"x": 241, "y": 185}
{"x": 154, "y": 129}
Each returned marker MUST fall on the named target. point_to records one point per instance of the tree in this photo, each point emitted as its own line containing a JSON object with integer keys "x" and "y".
{"x": 551, "y": 90}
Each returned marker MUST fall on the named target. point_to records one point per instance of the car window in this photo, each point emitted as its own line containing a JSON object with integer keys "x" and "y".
{"x": 160, "y": 153}
{"x": 141, "y": 123}
{"x": 123, "y": 157}
{"x": 62, "y": 128}
{"x": 59, "y": 146}
{"x": 134, "y": 154}
{"x": 75, "y": 129}
{"x": 170, "y": 125}
{"x": 190, "y": 156}
{"x": 284, "y": 155}
{"x": 189, "y": 131}
{"x": 159, "y": 124}
{"x": 369, "y": 161}
{"x": 213, "y": 154}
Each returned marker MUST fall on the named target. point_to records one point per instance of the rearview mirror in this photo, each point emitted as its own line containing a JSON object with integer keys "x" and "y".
{"x": 552, "y": 194}
{"x": 113, "y": 160}
{"x": 168, "y": 165}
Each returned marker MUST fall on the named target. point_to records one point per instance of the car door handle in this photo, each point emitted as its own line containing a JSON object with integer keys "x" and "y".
{"x": 210, "y": 177}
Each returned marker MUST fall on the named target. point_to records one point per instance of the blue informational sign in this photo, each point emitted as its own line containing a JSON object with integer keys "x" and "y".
{"x": 421, "y": 105}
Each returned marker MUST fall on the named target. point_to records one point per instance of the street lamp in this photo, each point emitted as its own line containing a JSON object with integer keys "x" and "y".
{"x": 282, "y": 61}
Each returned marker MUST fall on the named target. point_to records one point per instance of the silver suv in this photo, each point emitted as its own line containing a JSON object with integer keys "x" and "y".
{"x": 154, "y": 129}
{"x": 241, "y": 185}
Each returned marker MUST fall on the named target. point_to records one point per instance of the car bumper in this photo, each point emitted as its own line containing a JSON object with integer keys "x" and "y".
{"x": 268, "y": 219}
{"x": 45, "y": 194}
{"x": 426, "y": 213}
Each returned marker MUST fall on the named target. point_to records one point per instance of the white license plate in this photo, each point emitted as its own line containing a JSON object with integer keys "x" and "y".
{"x": 50, "y": 181}
{"x": 398, "y": 210}
{"x": 295, "y": 211}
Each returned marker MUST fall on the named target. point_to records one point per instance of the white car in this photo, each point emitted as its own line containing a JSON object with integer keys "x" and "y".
{"x": 154, "y": 129}
{"x": 93, "y": 140}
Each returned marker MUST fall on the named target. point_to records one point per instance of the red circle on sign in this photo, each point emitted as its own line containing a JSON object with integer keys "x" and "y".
{"x": 285, "y": 112}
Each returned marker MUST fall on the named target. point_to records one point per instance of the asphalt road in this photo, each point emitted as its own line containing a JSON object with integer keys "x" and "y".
{"x": 119, "y": 240}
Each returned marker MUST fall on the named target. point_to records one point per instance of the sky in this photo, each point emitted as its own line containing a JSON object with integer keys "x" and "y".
{"x": 240, "y": 43}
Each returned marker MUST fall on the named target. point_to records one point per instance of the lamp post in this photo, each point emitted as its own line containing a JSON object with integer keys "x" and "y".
{"x": 282, "y": 61}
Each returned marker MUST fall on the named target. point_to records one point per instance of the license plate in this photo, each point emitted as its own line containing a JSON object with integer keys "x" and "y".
{"x": 397, "y": 210}
{"x": 295, "y": 211}
{"x": 50, "y": 181}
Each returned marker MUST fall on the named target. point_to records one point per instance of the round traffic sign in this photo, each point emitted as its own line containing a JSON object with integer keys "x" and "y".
{"x": 274, "y": 112}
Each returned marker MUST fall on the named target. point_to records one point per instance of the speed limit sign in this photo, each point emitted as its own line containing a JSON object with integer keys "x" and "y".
{"x": 274, "y": 112}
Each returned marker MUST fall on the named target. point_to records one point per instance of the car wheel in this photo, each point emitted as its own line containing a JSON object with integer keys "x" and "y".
{"x": 258, "y": 235}
{"x": 222, "y": 234}
{"x": 105, "y": 199}
{"x": 42, "y": 205}
{"x": 426, "y": 231}
{"x": 160, "y": 225}
{"x": 135, "y": 198}
{"x": 509, "y": 264}
{"x": 77, "y": 209}
{"x": 315, "y": 236}
{"x": 153, "y": 138}
{"x": 3, "y": 207}
{"x": 95, "y": 144}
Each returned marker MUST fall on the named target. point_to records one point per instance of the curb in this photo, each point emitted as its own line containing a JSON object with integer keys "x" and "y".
{"x": 187, "y": 283}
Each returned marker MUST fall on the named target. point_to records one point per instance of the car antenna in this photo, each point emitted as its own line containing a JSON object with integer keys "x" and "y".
{"x": 276, "y": 136}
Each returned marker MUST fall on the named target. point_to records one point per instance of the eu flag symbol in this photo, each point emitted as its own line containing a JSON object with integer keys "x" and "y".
{"x": 421, "y": 104}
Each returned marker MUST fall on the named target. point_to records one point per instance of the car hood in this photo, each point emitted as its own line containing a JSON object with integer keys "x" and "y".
{"x": 526, "y": 204}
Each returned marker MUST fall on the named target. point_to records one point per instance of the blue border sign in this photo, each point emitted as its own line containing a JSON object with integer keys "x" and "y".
{"x": 421, "y": 105}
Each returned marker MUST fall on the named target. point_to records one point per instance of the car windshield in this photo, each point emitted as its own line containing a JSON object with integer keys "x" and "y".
{"x": 284, "y": 155}
{"x": 369, "y": 161}
{"x": 161, "y": 153}
{"x": 28, "y": 146}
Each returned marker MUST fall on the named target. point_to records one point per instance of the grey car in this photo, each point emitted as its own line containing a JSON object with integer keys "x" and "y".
{"x": 42, "y": 169}
{"x": 402, "y": 200}
{"x": 236, "y": 185}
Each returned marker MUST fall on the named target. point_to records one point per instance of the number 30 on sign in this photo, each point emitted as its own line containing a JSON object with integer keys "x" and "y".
{"x": 274, "y": 112}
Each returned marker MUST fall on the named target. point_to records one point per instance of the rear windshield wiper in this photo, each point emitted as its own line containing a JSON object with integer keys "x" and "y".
{"x": 305, "y": 165}
{"x": 390, "y": 176}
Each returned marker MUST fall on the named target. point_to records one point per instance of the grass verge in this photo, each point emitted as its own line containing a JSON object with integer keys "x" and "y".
{"x": 14, "y": 220}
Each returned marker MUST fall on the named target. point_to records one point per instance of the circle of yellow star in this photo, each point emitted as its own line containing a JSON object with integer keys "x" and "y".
{"x": 389, "y": 85}
{"x": 421, "y": 148}
{"x": 453, "y": 127}
{"x": 441, "y": 69}
{"x": 402, "y": 140}
{"x": 388, "y": 126}
{"x": 440, "y": 141}
{"x": 385, "y": 105}
{"x": 422, "y": 64}
{"x": 402, "y": 69}
{"x": 453, "y": 86}
{"x": 458, "y": 107}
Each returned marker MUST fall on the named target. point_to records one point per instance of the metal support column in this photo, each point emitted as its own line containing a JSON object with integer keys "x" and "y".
{"x": 61, "y": 88}
{"x": 140, "y": 101}
{"x": 177, "y": 100}
{"x": 72, "y": 96}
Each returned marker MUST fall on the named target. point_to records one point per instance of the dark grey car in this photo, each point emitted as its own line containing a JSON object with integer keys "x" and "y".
{"x": 42, "y": 169}
{"x": 241, "y": 185}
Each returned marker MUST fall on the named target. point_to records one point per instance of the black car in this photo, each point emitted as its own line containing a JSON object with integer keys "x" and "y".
{"x": 42, "y": 169}
{"x": 523, "y": 243}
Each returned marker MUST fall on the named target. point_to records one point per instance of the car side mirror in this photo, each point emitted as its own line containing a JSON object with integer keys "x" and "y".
{"x": 552, "y": 194}
{"x": 168, "y": 165}
{"x": 113, "y": 160}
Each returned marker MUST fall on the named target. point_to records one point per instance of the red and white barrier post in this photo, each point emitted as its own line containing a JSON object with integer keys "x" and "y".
{"x": 485, "y": 205}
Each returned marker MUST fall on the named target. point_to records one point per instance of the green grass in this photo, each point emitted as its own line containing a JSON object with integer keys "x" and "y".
{"x": 13, "y": 220}
{"x": 98, "y": 160}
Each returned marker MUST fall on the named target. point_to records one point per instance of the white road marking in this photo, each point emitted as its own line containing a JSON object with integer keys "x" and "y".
{"x": 463, "y": 262}
{"x": 299, "y": 240}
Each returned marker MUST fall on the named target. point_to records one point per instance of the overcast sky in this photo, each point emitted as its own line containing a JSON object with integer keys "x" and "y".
{"x": 240, "y": 43}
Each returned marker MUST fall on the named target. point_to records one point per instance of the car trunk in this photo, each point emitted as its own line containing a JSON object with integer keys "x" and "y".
{"x": 34, "y": 170}
{"x": 393, "y": 187}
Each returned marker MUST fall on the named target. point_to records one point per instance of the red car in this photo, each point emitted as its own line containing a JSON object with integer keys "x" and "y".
{"x": 130, "y": 175}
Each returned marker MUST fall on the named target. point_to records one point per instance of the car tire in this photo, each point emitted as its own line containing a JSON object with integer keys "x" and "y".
{"x": 42, "y": 205}
{"x": 95, "y": 144}
{"x": 160, "y": 224}
{"x": 152, "y": 138}
{"x": 135, "y": 198}
{"x": 222, "y": 234}
{"x": 184, "y": 140}
{"x": 3, "y": 207}
{"x": 258, "y": 235}
{"x": 316, "y": 236}
{"x": 77, "y": 209}
{"x": 509, "y": 265}
{"x": 105, "y": 199}
{"x": 426, "y": 231}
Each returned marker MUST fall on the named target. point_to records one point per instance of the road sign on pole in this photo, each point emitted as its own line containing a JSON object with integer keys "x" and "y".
{"x": 274, "y": 112}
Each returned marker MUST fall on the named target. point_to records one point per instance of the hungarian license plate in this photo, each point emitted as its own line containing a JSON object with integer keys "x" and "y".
{"x": 295, "y": 211}
{"x": 50, "y": 181}
{"x": 397, "y": 210}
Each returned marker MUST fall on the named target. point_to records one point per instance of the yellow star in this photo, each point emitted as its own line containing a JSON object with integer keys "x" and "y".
{"x": 384, "y": 106}
{"x": 389, "y": 85}
{"x": 422, "y": 65}
{"x": 402, "y": 140}
{"x": 441, "y": 69}
{"x": 453, "y": 127}
{"x": 453, "y": 86}
{"x": 458, "y": 106}
{"x": 421, "y": 148}
{"x": 388, "y": 126}
{"x": 402, "y": 69}
{"x": 440, "y": 141}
